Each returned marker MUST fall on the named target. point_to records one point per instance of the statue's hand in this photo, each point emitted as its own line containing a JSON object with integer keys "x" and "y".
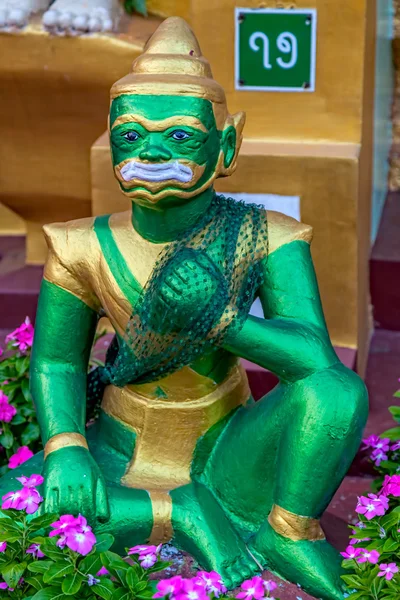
{"x": 188, "y": 287}
{"x": 73, "y": 483}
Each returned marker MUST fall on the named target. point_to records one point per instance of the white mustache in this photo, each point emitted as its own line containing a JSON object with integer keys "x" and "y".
{"x": 156, "y": 171}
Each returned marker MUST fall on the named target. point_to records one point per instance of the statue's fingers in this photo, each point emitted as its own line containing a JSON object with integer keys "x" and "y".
{"x": 52, "y": 501}
{"x": 102, "y": 504}
{"x": 175, "y": 284}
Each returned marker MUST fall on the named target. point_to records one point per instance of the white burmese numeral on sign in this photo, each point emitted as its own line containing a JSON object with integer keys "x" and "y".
{"x": 286, "y": 43}
{"x": 258, "y": 35}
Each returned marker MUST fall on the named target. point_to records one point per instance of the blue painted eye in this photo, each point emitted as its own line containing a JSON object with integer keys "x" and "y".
{"x": 179, "y": 135}
{"x": 131, "y": 136}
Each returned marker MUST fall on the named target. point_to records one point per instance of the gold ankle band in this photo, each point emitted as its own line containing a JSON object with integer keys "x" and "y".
{"x": 295, "y": 527}
{"x": 63, "y": 440}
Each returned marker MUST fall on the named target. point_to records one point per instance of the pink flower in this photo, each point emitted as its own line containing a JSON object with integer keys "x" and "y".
{"x": 143, "y": 550}
{"x": 81, "y": 541}
{"x": 7, "y": 411}
{"x": 3, "y": 586}
{"x": 11, "y": 499}
{"x": 212, "y": 582}
{"x": 22, "y": 336}
{"x": 395, "y": 447}
{"x": 34, "y": 549}
{"x": 1, "y": 351}
{"x": 371, "y": 442}
{"x": 252, "y": 588}
{"x": 30, "y": 482}
{"x": 388, "y": 571}
{"x": 60, "y": 526}
{"x": 191, "y": 590}
{"x": 29, "y": 500}
{"x": 147, "y": 560}
{"x": 378, "y": 456}
{"x": 3, "y": 546}
{"x": 351, "y": 552}
{"x": 103, "y": 571}
{"x": 62, "y": 541}
{"x": 371, "y": 556}
{"x": 22, "y": 455}
{"x": 391, "y": 485}
{"x": 270, "y": 586}
{"x": 372, "y": 506}
{"x": 169, "y": 587}
{"x": 356, "y": 541}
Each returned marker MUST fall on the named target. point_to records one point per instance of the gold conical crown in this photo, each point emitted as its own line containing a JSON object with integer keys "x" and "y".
{"x": 172, "y": 63}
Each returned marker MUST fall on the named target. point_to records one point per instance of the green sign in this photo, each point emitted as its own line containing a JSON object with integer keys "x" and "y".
{"x": 275, "y": 49}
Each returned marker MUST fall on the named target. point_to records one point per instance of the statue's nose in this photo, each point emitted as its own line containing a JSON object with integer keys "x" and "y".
{"x": 155, "y": 153}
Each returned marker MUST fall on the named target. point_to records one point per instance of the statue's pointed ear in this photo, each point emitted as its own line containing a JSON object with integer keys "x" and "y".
{"x": 231, "y": 141}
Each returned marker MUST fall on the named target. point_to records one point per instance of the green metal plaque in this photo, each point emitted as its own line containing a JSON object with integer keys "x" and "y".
{"x": 275, "y": 49}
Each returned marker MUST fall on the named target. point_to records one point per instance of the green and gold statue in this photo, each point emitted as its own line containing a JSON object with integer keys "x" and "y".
{"x": 180, "y": 451}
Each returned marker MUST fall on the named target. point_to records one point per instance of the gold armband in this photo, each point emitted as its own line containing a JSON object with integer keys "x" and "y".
{"x": 295, "y": 527}
{"x": 63, "y": 440}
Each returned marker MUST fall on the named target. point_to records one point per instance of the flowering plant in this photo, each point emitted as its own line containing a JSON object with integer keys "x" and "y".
{"x": 52, "y": 557}
{"x": 373, "y": 555}
{"x": 19, "y": 429}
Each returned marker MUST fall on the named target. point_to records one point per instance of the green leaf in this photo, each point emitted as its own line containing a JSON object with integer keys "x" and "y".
{"x": 10, "y": 537}
{"x": 42, "y": 522}
{"x": 40, "y": 566}
{"x": 57, "y": 571}
{"x": 395, "y": 395}
{"x": 104, "y": 542}
{"x": 25, "y": 390}
{"x": 353, "y": 582}
{"x": 377, "y": 586}
{"x": 7, "y": 439}
{"x": 392, "y": 434}
{"x": 91, "y": 564}
{"x": 50, "y": 549}
{"x": 50, "y": 593}
{"x": 121, "y": 594}
{"x": 357, "y": 596}
{"x": 72, "y": 584}
{"x": 132, "y": 579}
{"x": 30, "y": 434}
{"x": 390, "y": 520}
{"x": 12, "y": 573}
{"x": 35, "y": 581}
{"x": 390, "y": 545}
{"x": 18, "y": 420}
{"x": 104, "y": 589}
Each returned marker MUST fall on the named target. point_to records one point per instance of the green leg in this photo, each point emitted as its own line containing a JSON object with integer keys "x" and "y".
{"x": 202, "y": 529}
{"x": 293, "y": 449}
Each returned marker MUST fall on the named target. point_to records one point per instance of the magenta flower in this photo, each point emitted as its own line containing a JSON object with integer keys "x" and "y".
{"x": 60, "y": 526}
{"x": 4, "y": 586}
{"x": 393, "y": 448}
{"x": 11, "y": 500}
{"x": 351, "y": 552}
{"x": 356, "y": 541}
{"x": 191, "y": 590}
{"x": 378, "y": 456}
{"x": 30, "y": 482}
{"x": 62, "y": 541}
{"x": 22, "y": 336}
{"x": 270, "y": 586}
{"x": 81, "y": 541}
{"x": 22, "y": 455}
{"x": 388, "y": 571}
{"x": 371, "y": 556}
{"x": 252, "y": 588}
{"x": 212, "y": 582}
{"x": 169, "y": 587}
{"x": 391, "y": 485}
{"x": 35, "y": 550}
{"x": 147, "y": 560}
{"x": 29, "y": 500}
{"x": 143, "y": 550}
{"x": 1, "y": 352}
{"x": 3, "y": 546}
{"x": 103, "y": 571}
{"x": 7, "y": 411}
{"x": 371, "y": 442}
{"x": 372, "y": 506}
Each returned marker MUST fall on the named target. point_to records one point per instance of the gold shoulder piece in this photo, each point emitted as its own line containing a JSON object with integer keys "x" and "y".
{"x": 70, "y": 251}
{"x": 283, "y": 230}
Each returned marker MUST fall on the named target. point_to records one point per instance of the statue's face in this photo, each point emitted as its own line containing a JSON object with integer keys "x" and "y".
{"x": 167, "y": 147}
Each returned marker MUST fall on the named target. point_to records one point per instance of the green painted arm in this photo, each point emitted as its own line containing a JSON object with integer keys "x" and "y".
{"x": 292, "y": 340}
{"x": 64, "y": 332}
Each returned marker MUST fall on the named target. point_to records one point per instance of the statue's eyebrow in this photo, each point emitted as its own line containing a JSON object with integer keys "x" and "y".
{"x": 161, "y": 124}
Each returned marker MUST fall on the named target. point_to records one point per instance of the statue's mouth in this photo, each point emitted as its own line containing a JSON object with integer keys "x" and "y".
{"x": 156, "y": 171}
